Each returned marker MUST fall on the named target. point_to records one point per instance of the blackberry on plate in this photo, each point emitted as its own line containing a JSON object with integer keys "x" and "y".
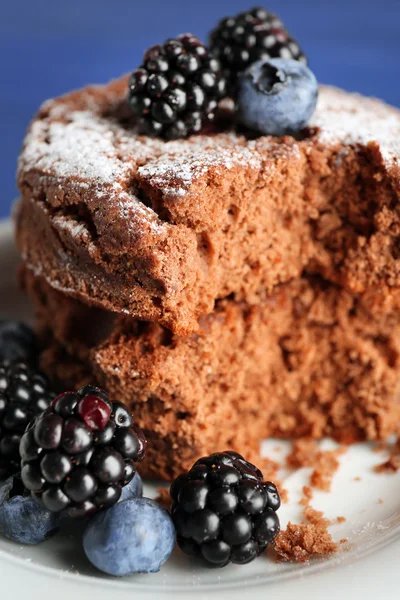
{"x": 177, "y": 88}
{"x": 79, "y": 453}
{"x": 223, "y": 511}
{"x": 17, "y": 341}
{"x": 24, "y": 393}
{"x": 244, "y": 39}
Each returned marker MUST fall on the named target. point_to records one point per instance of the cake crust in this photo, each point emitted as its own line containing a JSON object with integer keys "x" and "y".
{"x": 162, "y": 230}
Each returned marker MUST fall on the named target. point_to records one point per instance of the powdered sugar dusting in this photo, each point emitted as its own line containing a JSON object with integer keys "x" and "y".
{"x": 76, "y": 146}
{"x": 174, "y": 175}
{"x": 71, "y": 226}
{"x": 131, "y": 210}
{"x": 82, "y": 148}
{"x": 353, "y": 119}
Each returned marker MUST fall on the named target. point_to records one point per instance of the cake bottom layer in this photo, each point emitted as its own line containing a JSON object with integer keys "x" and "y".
{"x": 312, "y": 360}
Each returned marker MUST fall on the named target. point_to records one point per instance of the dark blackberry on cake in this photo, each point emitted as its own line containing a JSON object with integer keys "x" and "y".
{"x": 80, "y": 452}
{"x": 24, "y": 393}
{"x": 223, "y": 510}
{"x": 177, "y": 89}
{"x": 250, "y": 36}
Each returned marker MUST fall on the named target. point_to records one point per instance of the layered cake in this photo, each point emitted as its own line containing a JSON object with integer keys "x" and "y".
{"x": 312, "y": 359}
{"x": 160, "y": 230}
{"x": 240, "y": 280}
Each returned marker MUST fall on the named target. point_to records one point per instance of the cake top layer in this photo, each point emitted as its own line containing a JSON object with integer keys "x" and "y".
{"x": 87, "y": 135}
{"x": 85, "y": 144}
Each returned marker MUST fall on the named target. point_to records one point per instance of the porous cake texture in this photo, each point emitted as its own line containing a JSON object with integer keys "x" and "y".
{"x": 311, "y": 359}
{"x": 161, "y": 231}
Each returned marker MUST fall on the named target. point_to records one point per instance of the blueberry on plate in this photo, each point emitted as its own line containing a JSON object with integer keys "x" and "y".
{"x": 136, "y": 536}
{"x": 17, "y": 341}
{"x": 134, "y": 489}
{"x": 277, "y": 96}
{"x": 22, "y": 520}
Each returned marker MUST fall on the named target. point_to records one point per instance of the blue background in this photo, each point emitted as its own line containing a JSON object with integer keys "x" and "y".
{"x": 50, "y": 46}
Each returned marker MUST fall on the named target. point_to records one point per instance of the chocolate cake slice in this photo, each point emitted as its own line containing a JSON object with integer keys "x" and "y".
{"x": 311, "y": 359}
{"x": 160, "y": 230}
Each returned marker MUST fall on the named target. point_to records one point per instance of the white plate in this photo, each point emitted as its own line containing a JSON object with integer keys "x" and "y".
{"x": 367, "y": 566}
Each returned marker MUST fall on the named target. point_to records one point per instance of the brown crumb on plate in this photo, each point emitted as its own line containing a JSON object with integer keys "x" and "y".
{"x": 341, "y": 519}
{"x": 392, "y": 465}
{"x": 325, "y": 467}
{"x": 316, "y": 517}
{"x": 307, "y": 496}
{"x": 300, "y": 543}
{"x": 306, "y": 453}
{"x": 381, "y": 447}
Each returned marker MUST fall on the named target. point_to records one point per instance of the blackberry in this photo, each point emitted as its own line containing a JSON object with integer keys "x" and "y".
{"x": 249, "y": 37}
{"x": 223, "y": 511}
{"x": 177, "y": 88}
{"x": 17, "y": 341}
{"x": 24, "y": 393}
{"x": 79, "y": 453}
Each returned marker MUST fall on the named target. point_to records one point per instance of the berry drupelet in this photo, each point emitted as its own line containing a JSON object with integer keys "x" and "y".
{"x": 24, "y": 393}
{"x": 177, "y": 89}
{"x": 17, "y": 342}
{"x": 248, "y": 37}
{"x": 80, "y": 452}
{"x": 223, "y": 511}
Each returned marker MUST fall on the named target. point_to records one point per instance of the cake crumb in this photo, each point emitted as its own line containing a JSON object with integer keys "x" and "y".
{"x": 299, "y": 543}
{"x": 343, "y": 541}
{"x": 307, "y": 496}
{"x": 380, "y": 501}
{"x": 313, "y": 516}
{"x": 381, "y": 447}
{"x": 357, "y": 478}
{"x": 392, "y": 465}
{"x": 341, "y": 519}
{"x": 306, "y": 453}
{"x": 164, "y": 498}
{"x": 326, "y": 465}
{"x": 283, "y": 493}
{"x": 316, "y": 517}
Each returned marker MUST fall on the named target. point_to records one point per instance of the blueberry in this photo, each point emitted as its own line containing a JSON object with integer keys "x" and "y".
{"x": 134, "y": 489}
{"x": 22, "y": 520}
{"x": 277, "y": 96}
{"x": 17, "y": 341}
{"x": 135, "y": 536}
